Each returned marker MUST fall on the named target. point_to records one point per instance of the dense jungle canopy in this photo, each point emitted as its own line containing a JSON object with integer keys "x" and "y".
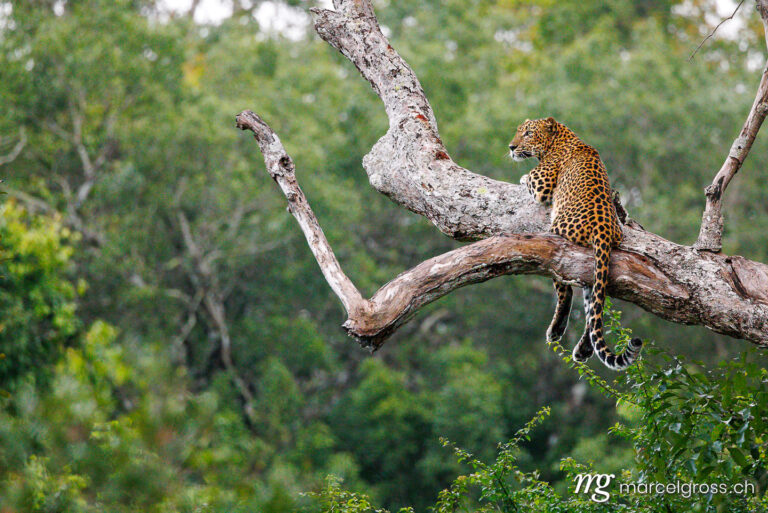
{"x": 167, "y": 342}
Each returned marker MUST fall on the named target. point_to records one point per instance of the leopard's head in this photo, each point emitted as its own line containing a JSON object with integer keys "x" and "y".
{"x": 532, "y": 139}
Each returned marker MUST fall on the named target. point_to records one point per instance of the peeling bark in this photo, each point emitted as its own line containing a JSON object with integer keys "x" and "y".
{"x": 411, "y": 166}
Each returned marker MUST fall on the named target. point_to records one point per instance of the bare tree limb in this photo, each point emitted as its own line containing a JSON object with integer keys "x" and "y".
{"x": 16, "y": 151}
{"x": 193, "y": 9}
{"x": 762, "y": 9}
{"x": 209, "y": 289}
{"x": 410, "y": 165}
{"x": 281, "y": 168}
{"x": 711, "y": 231}
{"x": 74, "y": 222}
{"x": 180, "y": 341}
{"x": 34, "y": 204}
{"x": 90, "y": 167}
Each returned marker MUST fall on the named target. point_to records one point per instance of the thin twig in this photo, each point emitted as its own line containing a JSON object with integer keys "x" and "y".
{"x": 715, "y": 30}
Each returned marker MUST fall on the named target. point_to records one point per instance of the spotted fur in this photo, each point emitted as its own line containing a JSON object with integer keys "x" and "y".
{"x": 572, "y": 179}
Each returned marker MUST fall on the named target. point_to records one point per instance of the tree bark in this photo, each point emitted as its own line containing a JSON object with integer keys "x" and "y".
{"x": 411, "y": 166}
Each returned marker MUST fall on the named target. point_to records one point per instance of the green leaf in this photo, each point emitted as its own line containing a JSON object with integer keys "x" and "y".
{"x": 738, "y": 456}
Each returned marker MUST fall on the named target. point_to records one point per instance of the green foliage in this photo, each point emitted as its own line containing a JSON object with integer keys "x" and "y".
{"x": 333, "y": 499}
{"x": 702, "y": 426}
{"x": 119, "y": 396}
{"x": 392, "y": 421}
{"x": 491, "y": 479}
{"x": 37, "y": 296}
{"x": 41, "y": 490}
{"x": 685, "y": 426}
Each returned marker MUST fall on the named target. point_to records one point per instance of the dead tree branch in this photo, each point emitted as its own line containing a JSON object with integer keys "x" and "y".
{"x": 16, "y": 150}
{"x": 281, "y": 167}
{"x": 711, "y": 232}
{"x": 646, "y": 275}
{"x": 74, "y": 222}
{"x": 410, "y": 165}
{"x": 208, "y": 287}
{"x": 762, "y": 9}
{"x": 91, "y": 167}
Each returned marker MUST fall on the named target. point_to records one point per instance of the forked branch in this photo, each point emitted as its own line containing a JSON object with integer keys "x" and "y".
{"x": 411, "y": 166}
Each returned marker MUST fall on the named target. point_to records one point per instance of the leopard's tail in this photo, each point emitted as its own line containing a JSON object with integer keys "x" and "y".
{"x": 610, "y": 359}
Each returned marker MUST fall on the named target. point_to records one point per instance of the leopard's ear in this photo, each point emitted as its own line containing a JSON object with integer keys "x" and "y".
{"x": 551, "y": 123}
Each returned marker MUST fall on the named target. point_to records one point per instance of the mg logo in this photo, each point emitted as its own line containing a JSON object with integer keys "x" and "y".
{"x": 601, "y": 481}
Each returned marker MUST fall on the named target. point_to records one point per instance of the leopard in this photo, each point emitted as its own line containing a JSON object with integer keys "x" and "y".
{"x": 572, "y": 180}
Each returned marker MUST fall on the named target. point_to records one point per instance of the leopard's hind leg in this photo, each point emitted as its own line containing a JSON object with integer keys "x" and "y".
{"x": 562, "y": 310}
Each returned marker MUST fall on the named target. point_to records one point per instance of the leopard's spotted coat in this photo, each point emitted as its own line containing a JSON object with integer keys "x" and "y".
{"x": 572, "y": 178}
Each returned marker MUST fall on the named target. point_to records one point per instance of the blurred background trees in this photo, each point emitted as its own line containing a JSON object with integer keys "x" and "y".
{"x": 167, "y": 341}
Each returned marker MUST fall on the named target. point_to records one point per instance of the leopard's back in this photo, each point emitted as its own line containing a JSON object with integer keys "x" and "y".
{"x": 582, "y": 206}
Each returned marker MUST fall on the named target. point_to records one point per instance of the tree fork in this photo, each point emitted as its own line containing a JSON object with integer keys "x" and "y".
{"x": 411, "y": 166}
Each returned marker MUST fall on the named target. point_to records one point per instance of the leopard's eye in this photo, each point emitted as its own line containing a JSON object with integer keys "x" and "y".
{"x": 527, "y": 132}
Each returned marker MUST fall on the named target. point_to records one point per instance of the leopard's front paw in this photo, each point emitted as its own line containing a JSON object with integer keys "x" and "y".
{"x": 524, "y": 179}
